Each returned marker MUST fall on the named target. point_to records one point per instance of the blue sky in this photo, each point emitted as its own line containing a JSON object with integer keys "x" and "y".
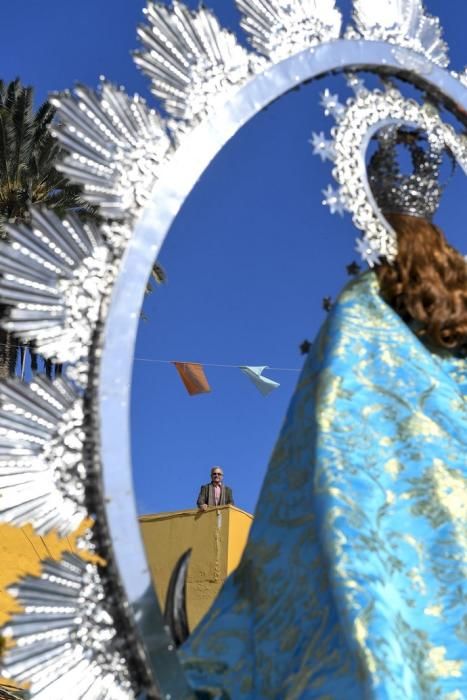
{"x": 249, "y": 258}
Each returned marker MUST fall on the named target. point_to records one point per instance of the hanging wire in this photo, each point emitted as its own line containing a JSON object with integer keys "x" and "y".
{"x": 151, "y": 360}
{"x": 211, "y": 364}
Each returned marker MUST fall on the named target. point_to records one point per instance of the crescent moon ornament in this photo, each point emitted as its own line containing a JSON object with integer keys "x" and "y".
{"x": 75, "y": 293}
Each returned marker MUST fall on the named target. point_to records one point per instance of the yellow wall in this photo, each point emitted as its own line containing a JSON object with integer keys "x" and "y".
{"x": 239, "y": 529}
{"x": 217, "y": 538}
{"x": 21, "y": 552}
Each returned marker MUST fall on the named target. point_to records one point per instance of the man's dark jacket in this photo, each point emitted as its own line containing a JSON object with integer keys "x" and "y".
{"x": 206, "y": 496}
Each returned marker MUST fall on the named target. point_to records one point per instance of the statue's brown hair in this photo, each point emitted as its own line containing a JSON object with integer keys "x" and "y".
{"x": 427, "y": 283}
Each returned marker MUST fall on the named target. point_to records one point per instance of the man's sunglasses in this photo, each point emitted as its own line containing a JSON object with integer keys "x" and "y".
{"x": 217, "y": 474}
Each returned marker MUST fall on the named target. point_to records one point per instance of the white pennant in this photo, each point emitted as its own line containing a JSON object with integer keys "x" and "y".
{"x": 263, "y": 384}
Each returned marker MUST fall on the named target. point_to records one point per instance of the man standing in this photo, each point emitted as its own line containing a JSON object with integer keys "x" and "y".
{"x": 215, "y": 493}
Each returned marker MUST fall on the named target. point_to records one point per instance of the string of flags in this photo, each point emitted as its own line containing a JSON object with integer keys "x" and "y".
{"x": 195, "y": 381}
{"x": 194, "y": 377}
{"x": 264, "y": 385}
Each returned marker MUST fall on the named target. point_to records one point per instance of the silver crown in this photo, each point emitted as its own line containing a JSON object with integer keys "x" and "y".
{"x": 369, "y": 190}
{"x": 418, "y": 194}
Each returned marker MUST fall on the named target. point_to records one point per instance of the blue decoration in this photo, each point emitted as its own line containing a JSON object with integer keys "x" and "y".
{"x": 352, "y": 585}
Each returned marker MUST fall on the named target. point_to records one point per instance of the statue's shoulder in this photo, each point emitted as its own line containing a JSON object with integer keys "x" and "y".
{"x": 360, "y": 302}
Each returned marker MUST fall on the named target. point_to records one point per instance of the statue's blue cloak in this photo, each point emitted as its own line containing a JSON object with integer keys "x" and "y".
{"x": 353, "y": 582}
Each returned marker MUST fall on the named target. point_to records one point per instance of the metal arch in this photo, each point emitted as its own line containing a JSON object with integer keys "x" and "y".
{"x": 194, "y": 155}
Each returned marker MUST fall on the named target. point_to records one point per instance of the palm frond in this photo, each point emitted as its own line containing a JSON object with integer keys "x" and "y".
{"x": 23, "y": 124}
{"x": 12, "y": 92}
{"x": 43, "y": 139}
{"x": 7, "y": 694}
{"x": 45, "y": 152}
{"x": 43, "y": 118}
{"x": 7, "y": 141}
{"x": 158, "y": 273}
{"x": 28, "y": 174}
{"x": 3, "y": 221}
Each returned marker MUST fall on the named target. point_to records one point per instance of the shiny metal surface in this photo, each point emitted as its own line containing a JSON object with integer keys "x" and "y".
{"x": 279, "y": 28}
{"x": 402, "y": 22}
{"x": 42, "y": 471}
{"x": 55, "y": 273}
{"x": 66, "y": 603}
{"x": 175, "y": 182}
{"x": 193, "y": 63}
{"x": 115, "y": 144}
{"x": 362, "y": 117}
{"x": 58, "y": 276}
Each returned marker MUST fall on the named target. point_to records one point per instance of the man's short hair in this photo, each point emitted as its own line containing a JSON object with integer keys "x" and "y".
{"x": 220, "y": 469}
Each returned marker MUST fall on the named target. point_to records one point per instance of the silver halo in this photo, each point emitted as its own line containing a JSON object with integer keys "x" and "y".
{"x": 198, "y": 149}
{"x": 205, "y": 80}
{"x": 357, "y": 122}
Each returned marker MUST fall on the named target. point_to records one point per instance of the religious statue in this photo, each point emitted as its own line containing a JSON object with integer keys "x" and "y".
{"x": 351, "y": 583}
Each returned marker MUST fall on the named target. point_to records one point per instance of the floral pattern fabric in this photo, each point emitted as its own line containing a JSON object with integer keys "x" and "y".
{"x": 353, "y": 582}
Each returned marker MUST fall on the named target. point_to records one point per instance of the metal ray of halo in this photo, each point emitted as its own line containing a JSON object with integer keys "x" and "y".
{"x": 401, "y": 22}
{"x": 66, "y": 643}
{"x": 54, "y": 274}
{"x": 116, "y": 145}
{"x": 191, "y": 61}
{"x": 42, "y": 470}
{"x": 68, "y": 268}
{"x": 462, "y": 76}
{"x": 279, "y": 28}
{"x": 187, "y": 164}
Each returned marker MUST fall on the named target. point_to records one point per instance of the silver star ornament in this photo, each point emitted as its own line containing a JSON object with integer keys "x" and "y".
{"x": 322, "y": 147}
{"x": 333, "y": 199}
{"x": 331, "y": 105}
{"x": 367, "y": 252}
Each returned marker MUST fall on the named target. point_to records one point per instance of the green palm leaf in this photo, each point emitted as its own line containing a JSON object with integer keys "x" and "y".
{"x": 28, "y": 175}
{"x": 23, "y": 124}
{"x": 7, "y": 694}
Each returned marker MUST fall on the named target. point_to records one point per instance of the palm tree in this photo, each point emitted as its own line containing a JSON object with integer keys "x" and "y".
{"x": 28, "y": 175}
{"x": 7, "y": 694}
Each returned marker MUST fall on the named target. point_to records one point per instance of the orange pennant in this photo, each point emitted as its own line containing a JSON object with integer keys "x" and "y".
{"x": 193, "y": 377}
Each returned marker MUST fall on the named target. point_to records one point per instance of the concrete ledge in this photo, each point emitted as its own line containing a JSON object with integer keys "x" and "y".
{"x": 150, "y": 517}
